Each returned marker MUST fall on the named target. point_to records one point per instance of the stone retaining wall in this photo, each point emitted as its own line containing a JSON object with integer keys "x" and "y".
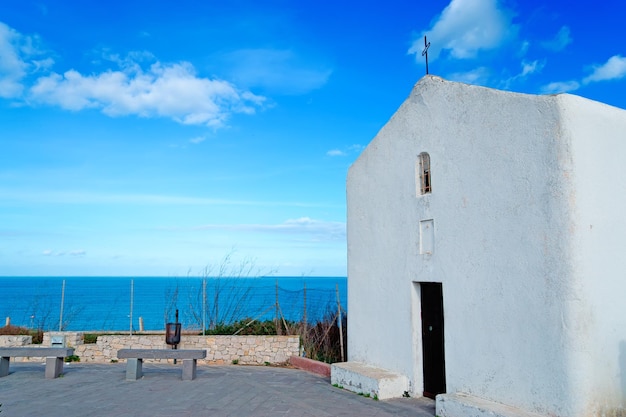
{"x": 12, "y": 341}
{"x": 72, "y": 339}
{"x": 221, "y": 350}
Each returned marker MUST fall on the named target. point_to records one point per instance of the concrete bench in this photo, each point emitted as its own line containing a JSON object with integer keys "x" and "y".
{"x": 54, "y": 358}
{"x": 134, "y": 360}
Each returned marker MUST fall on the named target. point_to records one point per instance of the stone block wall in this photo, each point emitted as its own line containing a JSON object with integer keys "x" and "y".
{"x": 221, "y": 350}
{"x": 12, "y": 341}
{"x": 72, "y": 339}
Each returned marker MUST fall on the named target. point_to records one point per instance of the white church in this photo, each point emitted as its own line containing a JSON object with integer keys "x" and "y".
{"x": 487, "y": 255}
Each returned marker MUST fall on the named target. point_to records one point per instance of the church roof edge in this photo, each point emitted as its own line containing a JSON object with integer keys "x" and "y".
{"x": 432, "y": 80}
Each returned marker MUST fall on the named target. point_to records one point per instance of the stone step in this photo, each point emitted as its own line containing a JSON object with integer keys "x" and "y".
{"x": 368, "y": 380}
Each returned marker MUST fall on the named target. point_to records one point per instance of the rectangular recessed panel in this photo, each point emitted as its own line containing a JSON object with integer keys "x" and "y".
{"x": 427, "y": 237}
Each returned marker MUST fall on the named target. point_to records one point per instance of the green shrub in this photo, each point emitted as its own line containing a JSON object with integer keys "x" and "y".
{"x": 245, "y": 327}
{"x": 91, "y": 338}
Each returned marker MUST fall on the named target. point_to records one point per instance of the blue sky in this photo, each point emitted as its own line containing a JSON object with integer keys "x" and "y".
{"x": 156, "y": 138}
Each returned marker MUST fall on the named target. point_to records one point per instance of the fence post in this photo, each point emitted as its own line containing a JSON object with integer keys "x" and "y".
{"x": 339, "y": 322}
{"x": 304, "y": 318}
{"x": 276, "y": 321}
{"x": 203, "y": 306}
{"x": 132, "y": 294}
{"x": 62, "y": 302}
{"x": 216, "y": 302}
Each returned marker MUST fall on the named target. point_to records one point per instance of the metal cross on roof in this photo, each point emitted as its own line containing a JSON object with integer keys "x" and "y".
{"x": 425, "y": 52}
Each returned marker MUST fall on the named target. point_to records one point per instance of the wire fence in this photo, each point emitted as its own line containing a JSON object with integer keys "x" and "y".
{"x": 135, "y": 304}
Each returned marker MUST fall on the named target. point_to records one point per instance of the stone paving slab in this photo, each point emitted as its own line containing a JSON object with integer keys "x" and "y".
{"x": 102, "y": 390}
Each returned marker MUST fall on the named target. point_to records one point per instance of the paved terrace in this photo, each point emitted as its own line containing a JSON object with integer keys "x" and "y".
{"x": 102, "y": 390}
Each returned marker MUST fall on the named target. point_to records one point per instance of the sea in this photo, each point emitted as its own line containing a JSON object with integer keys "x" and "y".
{"x": 148, "y": 303}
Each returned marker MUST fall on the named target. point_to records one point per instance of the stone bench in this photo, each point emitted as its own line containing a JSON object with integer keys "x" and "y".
{"x": 134, "y": 360}
{"x": 54, "y": 358}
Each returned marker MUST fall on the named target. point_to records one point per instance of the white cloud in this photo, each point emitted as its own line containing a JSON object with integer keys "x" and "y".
{"x": 142, "y": 86}
{"x": 50, "y": 252}
{"x": 278, "y": 71}
{"x": 197, "y": 140}
{"x": 531, "y": 67}
{"x": 560, "y": 41}
{"x": 318, "y": 229}
{"x": 476, "y": 76}
{"x": 42, "y": 65}
{"x": 335, "y": 152}
{"x": 613, "y": 69}
{"x": 466, "y": 27}
{"x": 12, "y": 66}
{"x": 130, "y": 62}
{"x": 523, "y": 48}
{"x": 163, "y": 90}
{"x": 86, "y": 198}
{"x": 560, "y": 87}
{"x": 350, "y": 149}
{"x": 528, "y": 68}
{"x": 20, "y": 56}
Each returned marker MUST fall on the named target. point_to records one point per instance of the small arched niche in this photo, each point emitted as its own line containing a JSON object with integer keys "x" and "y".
{"x": 423, "y": 173}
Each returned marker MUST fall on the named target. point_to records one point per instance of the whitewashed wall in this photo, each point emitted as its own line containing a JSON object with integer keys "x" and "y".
{"x": 508, "y": 245}
{"x": 597, "y": 308}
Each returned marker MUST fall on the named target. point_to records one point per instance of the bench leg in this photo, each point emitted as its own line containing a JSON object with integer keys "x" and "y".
{"x": 189, "y": 369}
{"x": 133, "y": 369}
{"x": 4, "y": 366}
{"x": 54, "y": 367}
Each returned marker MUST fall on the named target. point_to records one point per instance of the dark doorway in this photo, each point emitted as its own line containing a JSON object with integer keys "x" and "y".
{"x": 432, "y": 339}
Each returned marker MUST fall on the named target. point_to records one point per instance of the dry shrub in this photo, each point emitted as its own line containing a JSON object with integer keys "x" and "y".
{"x": 11, "y": 330}
{"x": 322, "y": 340}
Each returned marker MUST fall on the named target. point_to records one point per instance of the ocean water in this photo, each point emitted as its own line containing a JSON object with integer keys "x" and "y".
{"x": 121, "y": 303}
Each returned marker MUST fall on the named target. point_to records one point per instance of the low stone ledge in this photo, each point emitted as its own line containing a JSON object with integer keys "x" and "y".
{"x": 310, "y": 365}
{"x": 366, "y": 379}
{"x": 462, "y": 405}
